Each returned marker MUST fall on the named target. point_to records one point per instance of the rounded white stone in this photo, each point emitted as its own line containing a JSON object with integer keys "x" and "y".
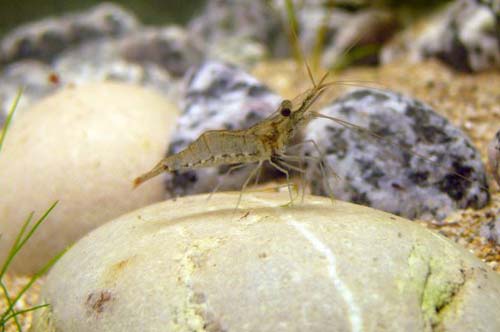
{"x": 193, "y": 265}
{"x": 82, "y": 146}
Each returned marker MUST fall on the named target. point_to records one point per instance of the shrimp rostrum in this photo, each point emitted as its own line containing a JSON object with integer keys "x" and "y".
{"x": 266, "y": 141}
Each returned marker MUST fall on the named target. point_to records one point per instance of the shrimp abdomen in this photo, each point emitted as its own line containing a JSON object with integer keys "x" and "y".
{"x": 214, "y": 148}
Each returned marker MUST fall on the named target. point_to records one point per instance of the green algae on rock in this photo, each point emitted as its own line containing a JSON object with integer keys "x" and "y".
{"x": 193, "y": 265}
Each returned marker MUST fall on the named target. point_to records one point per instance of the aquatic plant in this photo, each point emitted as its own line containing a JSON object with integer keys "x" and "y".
{"x": 27, "y": 230}
{"x": 349, "y": 56}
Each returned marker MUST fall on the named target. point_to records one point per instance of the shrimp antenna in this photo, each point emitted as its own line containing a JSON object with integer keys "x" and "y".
{"x": 299, "y": 54}
{"x": 293, "y": 27}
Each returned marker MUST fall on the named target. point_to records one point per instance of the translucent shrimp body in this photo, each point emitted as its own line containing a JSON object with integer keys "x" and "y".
{"x": 258, "y": 143}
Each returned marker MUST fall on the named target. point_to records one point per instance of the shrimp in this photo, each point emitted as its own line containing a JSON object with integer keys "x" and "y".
{"x": 266, "y": 141}
{"x": 260, "y": 143}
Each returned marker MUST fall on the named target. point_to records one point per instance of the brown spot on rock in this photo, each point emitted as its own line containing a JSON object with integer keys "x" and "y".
{"x": 120, "y": 265}
{"x": 54, "y": 78}
{"x": 98, "y": 301}
{"x": 115, "y": 270}
{"x": 199, "y": 298}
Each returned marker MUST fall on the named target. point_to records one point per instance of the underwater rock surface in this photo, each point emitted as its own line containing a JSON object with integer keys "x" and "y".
{"x": 494, "y": 157}
{"x": 217, "y": 96}
{"x": 466, "y": 36}
{"x": 168, "y": 49}
{"x": 152, "y": 57}
{"x": 35, "y": 77}
{"x": 491, "y": 230}
{"x": 91, "y": 63}
{"x": 340, "y": 30}
{"x": 193, "y": 265}
{"x": 44, "y": 40}
{"x": 239, "y": 22}
{"x": 388, "y": 177}
{"x": 83, "y": 147}
{"x": 262, "y": 28}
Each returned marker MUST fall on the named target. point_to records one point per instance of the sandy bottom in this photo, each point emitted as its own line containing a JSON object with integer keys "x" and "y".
{"x": 471, "y": 102}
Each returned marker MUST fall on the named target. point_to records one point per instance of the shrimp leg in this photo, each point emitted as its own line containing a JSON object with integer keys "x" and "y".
{"x": 245, "y": 184}
{"x": 287, "y": 174}
{"x": 233, "y": 168}
{"x": 319, "y": 160}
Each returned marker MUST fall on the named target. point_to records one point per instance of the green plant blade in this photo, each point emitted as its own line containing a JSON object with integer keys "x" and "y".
{"x": 294, "y": 26}
{"x": 9, "y": 305}
{"x": 12, "y": 250}
{"x": 33, "y": 279}
{"x": 23, "y": 236}
{"x": 20, "y": 312}
{"x": 28, "y": 236}
{"x": 9, "y": 117}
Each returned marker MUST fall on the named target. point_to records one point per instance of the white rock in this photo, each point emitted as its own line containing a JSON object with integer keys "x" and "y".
{"x": 82, "y": 146}
{"x": 189, "y": 265}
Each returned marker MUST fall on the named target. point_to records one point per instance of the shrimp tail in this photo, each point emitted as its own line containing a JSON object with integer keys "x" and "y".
{"x": 158, "y": 169}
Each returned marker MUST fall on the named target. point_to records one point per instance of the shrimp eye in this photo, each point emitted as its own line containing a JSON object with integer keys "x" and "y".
{"x": 286, "y": 112}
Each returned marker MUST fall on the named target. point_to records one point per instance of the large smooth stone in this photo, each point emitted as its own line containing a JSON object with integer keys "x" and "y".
{"x": 82, "y": 146}
{"x": 193, "y": 265}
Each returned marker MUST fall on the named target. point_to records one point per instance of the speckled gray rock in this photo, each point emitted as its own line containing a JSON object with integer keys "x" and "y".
{"x": 491, "y": 229}
{"x": 44, "y": 39}
{"x": 466, "y": 35}
{"x": 388, "y": 177}
{"x": 101, "y": 61}
{"x": 231, "y": 23}
{"x": 36, "y": 78}
{"x": 170, "y": 48}
{"x": 192, "y": 265}
{"x": 494, "y": 157}
{"x": 88, "y": 64}
{"x": 249, "y": 19}
{"x": 245, "y": 53}
{"x": 152, "y": 57}
{"x": 217, "y": 96}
